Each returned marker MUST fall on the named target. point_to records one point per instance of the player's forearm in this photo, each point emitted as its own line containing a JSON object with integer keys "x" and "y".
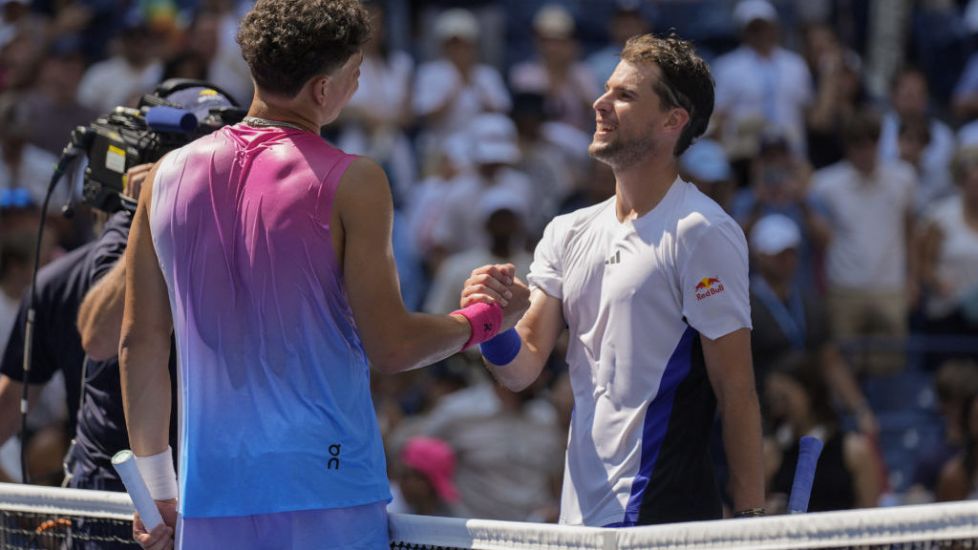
{"x": 100, "y": 314}
{"x": 146, "y": 391}
{"x": 417, "y": 340}
{"x": 524, "y": 369}
{"x": 741, "y": 419}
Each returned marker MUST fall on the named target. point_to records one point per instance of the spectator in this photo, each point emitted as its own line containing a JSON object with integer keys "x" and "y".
{"x": 780, "y": 185}
{"x": 964, "y": 100}
{"x": 626, "y": 21}
{"x": 19, "y": 57}
{"x": 424, "y": 205}
{"x": 839, "y": 93}
{"x": 23, "y": 165}
{"x": 228, "y": 68}
{"x": 547, "y": 164}
{"x": 957, "y": 479}
{"x": 847, "y": 475}
{"x": 871, "y": 274}
{"x": 373, "y": 122}
{"x": 956, "y": 382}
{"x": 124, "y": 77}
{"x": 567, "y": 84}
{"x": 13, "y": 13}
{"x": 494, "y": 153}
{"x": 949, "y": 253}
{"x": 773, "y": 97}
{"x": 504, "y": 218}
{"x": 16, "y": 266}
{"x": 910, "y": 100}
{"x": 705, "y": 165}
{"x": 451, "y": 90}
{"x": 52, "y": 108}
{"x": 507, "y": 447}
{"x": 426, "y": 479}
{"x": 789, "y": 319}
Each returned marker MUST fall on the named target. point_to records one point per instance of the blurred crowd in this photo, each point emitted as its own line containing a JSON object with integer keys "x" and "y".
{"x": 844, "y": 140}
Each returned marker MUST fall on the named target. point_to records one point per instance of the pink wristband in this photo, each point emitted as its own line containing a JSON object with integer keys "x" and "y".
{"x": 485, "y": 320}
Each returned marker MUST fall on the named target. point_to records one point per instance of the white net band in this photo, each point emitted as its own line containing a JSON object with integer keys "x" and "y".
{"x": 951, "y": 525}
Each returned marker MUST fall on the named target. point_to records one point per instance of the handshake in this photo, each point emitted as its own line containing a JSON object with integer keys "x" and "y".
{"x": 493, "y": 301}
{"x": 497, "y": 284}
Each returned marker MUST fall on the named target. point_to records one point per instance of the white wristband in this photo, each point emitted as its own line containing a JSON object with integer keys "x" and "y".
{"x": 158, "y": 473}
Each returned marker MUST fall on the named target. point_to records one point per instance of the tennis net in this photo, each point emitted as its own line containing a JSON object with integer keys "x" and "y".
{"x": 46, "y": 518}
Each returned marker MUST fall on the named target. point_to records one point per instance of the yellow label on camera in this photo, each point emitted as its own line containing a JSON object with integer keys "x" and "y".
{"x": 115, "y": 159}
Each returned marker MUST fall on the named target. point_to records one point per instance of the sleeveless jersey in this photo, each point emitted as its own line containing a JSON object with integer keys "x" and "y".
{"x": 274, "y": 384}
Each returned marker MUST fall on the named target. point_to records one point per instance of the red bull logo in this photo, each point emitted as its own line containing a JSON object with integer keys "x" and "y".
{"x": 708, "y": 286}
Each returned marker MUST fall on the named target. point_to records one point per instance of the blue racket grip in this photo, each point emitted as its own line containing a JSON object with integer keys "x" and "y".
{"x": 170, "y": 119}
{"x": 801, "y": 487}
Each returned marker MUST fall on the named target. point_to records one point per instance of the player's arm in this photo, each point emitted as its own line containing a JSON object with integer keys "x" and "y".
{"x": 144, "y": 348}
{"x": 394, "y": 338}
{"x": 538, "y": 331}
{"x": 731, "y": 373}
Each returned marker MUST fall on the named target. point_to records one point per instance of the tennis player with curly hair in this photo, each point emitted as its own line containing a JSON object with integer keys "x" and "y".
{"x": 267, "y": 253}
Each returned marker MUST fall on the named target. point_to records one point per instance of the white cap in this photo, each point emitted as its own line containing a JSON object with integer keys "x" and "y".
{"x": 553, "y": 21}
{"x": 456, "y": 23}
{"x": 706, "y": 161}
{"x": 498, "y": 198}
{"x": 774, "y": 234}
{"x": 494, "y": 139}
{"x": 751, "y": 10}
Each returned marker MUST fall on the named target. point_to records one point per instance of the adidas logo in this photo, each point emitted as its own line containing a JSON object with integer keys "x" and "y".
{"x": 614, "y": 259}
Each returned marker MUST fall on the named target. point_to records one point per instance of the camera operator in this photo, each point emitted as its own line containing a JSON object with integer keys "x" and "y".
{"x": 96, "y": 420}
{"x": 61, "y": 285}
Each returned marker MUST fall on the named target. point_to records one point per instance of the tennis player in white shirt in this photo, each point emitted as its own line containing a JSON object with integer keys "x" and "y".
{"x": 653, "y": 286}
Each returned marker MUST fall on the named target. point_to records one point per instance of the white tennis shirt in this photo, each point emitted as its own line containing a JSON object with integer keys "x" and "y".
{"x": 636, "y": 295}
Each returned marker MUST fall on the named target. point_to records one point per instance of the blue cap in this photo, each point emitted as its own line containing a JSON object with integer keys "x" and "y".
{"x": 705, "y": 160}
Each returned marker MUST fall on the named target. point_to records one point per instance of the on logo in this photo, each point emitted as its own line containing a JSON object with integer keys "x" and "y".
{"x": 334, "y": 453}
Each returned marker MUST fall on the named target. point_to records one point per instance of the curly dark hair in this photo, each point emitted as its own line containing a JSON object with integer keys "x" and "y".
{"x": 287, "y": 42}
{"x": 685, "y": 80}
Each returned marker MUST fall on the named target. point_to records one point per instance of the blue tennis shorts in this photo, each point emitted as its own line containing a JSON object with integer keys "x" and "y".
{"x": 356, "y": 528}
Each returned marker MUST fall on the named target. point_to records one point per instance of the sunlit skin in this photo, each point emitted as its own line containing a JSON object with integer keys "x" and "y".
{"x": 636, "y": 134}
{"x": 344, "y": 83}
{"x": 630, "y": 118}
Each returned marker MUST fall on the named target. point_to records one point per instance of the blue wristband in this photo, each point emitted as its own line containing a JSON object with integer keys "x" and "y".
{"x": 503, "y": 348}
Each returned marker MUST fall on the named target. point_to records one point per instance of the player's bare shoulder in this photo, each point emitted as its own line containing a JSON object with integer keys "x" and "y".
{"x": 363, "y": 187}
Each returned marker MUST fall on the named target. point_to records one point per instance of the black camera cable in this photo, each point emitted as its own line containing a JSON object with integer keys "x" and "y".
{"x": 80, "y": 139}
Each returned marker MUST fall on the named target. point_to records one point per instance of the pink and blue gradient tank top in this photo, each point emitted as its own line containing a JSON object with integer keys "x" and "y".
{"x": 274, "y": 384}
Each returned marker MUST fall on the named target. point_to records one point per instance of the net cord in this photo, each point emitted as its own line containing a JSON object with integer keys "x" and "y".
{"x": 954, "y": 521}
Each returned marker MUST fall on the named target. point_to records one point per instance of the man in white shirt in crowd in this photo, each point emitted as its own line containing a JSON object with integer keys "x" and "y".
{"x": 451, "y": 90}
{"x": 557, "y": 73}
{"x": 133, "y": 72}
{"x": 869, "y": 204}
{"x": 760, "y": 85}
{"x": 910, "y": 103}
{"x": 494, "y": 152}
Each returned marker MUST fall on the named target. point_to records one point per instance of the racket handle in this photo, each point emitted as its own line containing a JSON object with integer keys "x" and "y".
{"x": 801, "y": 487}
{"x": 124, "y": 462}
